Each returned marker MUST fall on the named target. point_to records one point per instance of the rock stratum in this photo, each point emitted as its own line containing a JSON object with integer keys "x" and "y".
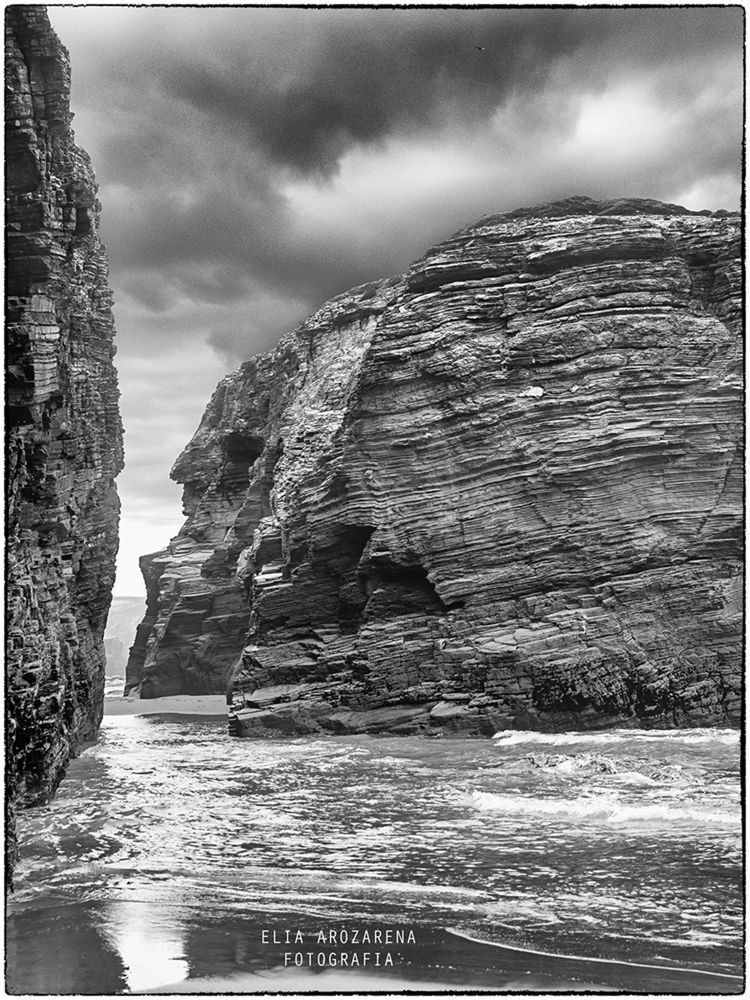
{"x": 63, "y": 430}
{"x": 501, "y": 490}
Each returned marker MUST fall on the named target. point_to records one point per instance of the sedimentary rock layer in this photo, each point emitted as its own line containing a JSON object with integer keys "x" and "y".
{"x": 501, "y": 490}
{"x": 64, "y": 438}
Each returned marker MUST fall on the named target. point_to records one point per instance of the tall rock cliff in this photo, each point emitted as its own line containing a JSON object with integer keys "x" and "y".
{"x": 501, "y": 490}
{"x": 64, "y": 437}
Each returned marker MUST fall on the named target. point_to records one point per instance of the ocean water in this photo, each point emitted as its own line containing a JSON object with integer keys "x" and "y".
{"x": 176, "y": 858}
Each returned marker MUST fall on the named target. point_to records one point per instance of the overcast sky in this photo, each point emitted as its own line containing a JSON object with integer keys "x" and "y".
{"x": 254, "y": 162}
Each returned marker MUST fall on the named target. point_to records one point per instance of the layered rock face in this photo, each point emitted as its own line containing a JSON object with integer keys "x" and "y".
{"x": 501, "y": 490}
{"x": 64, "y": 437}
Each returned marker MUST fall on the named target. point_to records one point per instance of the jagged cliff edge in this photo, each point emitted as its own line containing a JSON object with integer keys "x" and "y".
{"x": 501, "y": 490}
{"x": 63, "y": 429}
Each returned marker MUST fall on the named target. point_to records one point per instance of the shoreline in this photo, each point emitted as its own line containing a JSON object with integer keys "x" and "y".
{"x": 444, "y": 960}
{"x": 215, "y": 705}
{"x": 214, "y": 867}
{"x": 179, "y": 704}
{"x": 592, "y": 959}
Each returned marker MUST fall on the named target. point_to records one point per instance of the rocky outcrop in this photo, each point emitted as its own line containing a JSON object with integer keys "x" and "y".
{"x": 501, "y": 490}
{"x": 64, "y": 438}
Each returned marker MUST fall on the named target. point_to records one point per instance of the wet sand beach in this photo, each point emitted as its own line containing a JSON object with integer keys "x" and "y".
{"x": 175, "y": 858}
{"x": 106, "y": 949}
{"x": 182, "y": 704}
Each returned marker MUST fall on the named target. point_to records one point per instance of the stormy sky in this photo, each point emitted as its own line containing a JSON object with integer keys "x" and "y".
{"x": 253, "y": 162}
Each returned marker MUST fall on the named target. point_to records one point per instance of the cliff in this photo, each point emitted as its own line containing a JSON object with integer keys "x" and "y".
{"x": 63, "y": 432}
{"x": 122, "y": 621}
{"x": 502, "y": 490}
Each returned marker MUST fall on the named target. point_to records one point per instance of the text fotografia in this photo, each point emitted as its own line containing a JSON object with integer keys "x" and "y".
{"x": 325, "y": 947}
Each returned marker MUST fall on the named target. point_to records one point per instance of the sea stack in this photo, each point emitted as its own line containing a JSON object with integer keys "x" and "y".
{"x": 501, "y": 490}
{"x": 64, "y": 436}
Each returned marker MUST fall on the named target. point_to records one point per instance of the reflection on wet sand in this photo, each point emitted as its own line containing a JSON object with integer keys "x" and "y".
{"x": 151, "y": 944}
{"x": 130, "y": 947}
{"x": 170, "y": 848}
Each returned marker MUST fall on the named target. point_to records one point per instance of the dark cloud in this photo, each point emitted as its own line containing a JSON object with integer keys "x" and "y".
{"x": 255, "y": 161}
{"x": 208, "y": 113}
{"x": 241, "y": 100}
{"x": 357, "y": 76}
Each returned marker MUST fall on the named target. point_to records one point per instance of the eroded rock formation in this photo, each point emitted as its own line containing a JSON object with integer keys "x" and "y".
{"x": 64, "y": 437}
{"x": 501, "y": 490}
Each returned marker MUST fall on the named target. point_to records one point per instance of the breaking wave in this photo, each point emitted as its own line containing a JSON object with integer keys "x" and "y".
{"x": 625, "y": 770}
{"x": 511, "y": 737}
{"x": 183, "y": 843}
{"x": 609, "y": 808}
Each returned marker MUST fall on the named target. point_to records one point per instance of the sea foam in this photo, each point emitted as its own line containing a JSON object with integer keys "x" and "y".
{"x": 608, "y": 808}
{"x": 511, "y": 737}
